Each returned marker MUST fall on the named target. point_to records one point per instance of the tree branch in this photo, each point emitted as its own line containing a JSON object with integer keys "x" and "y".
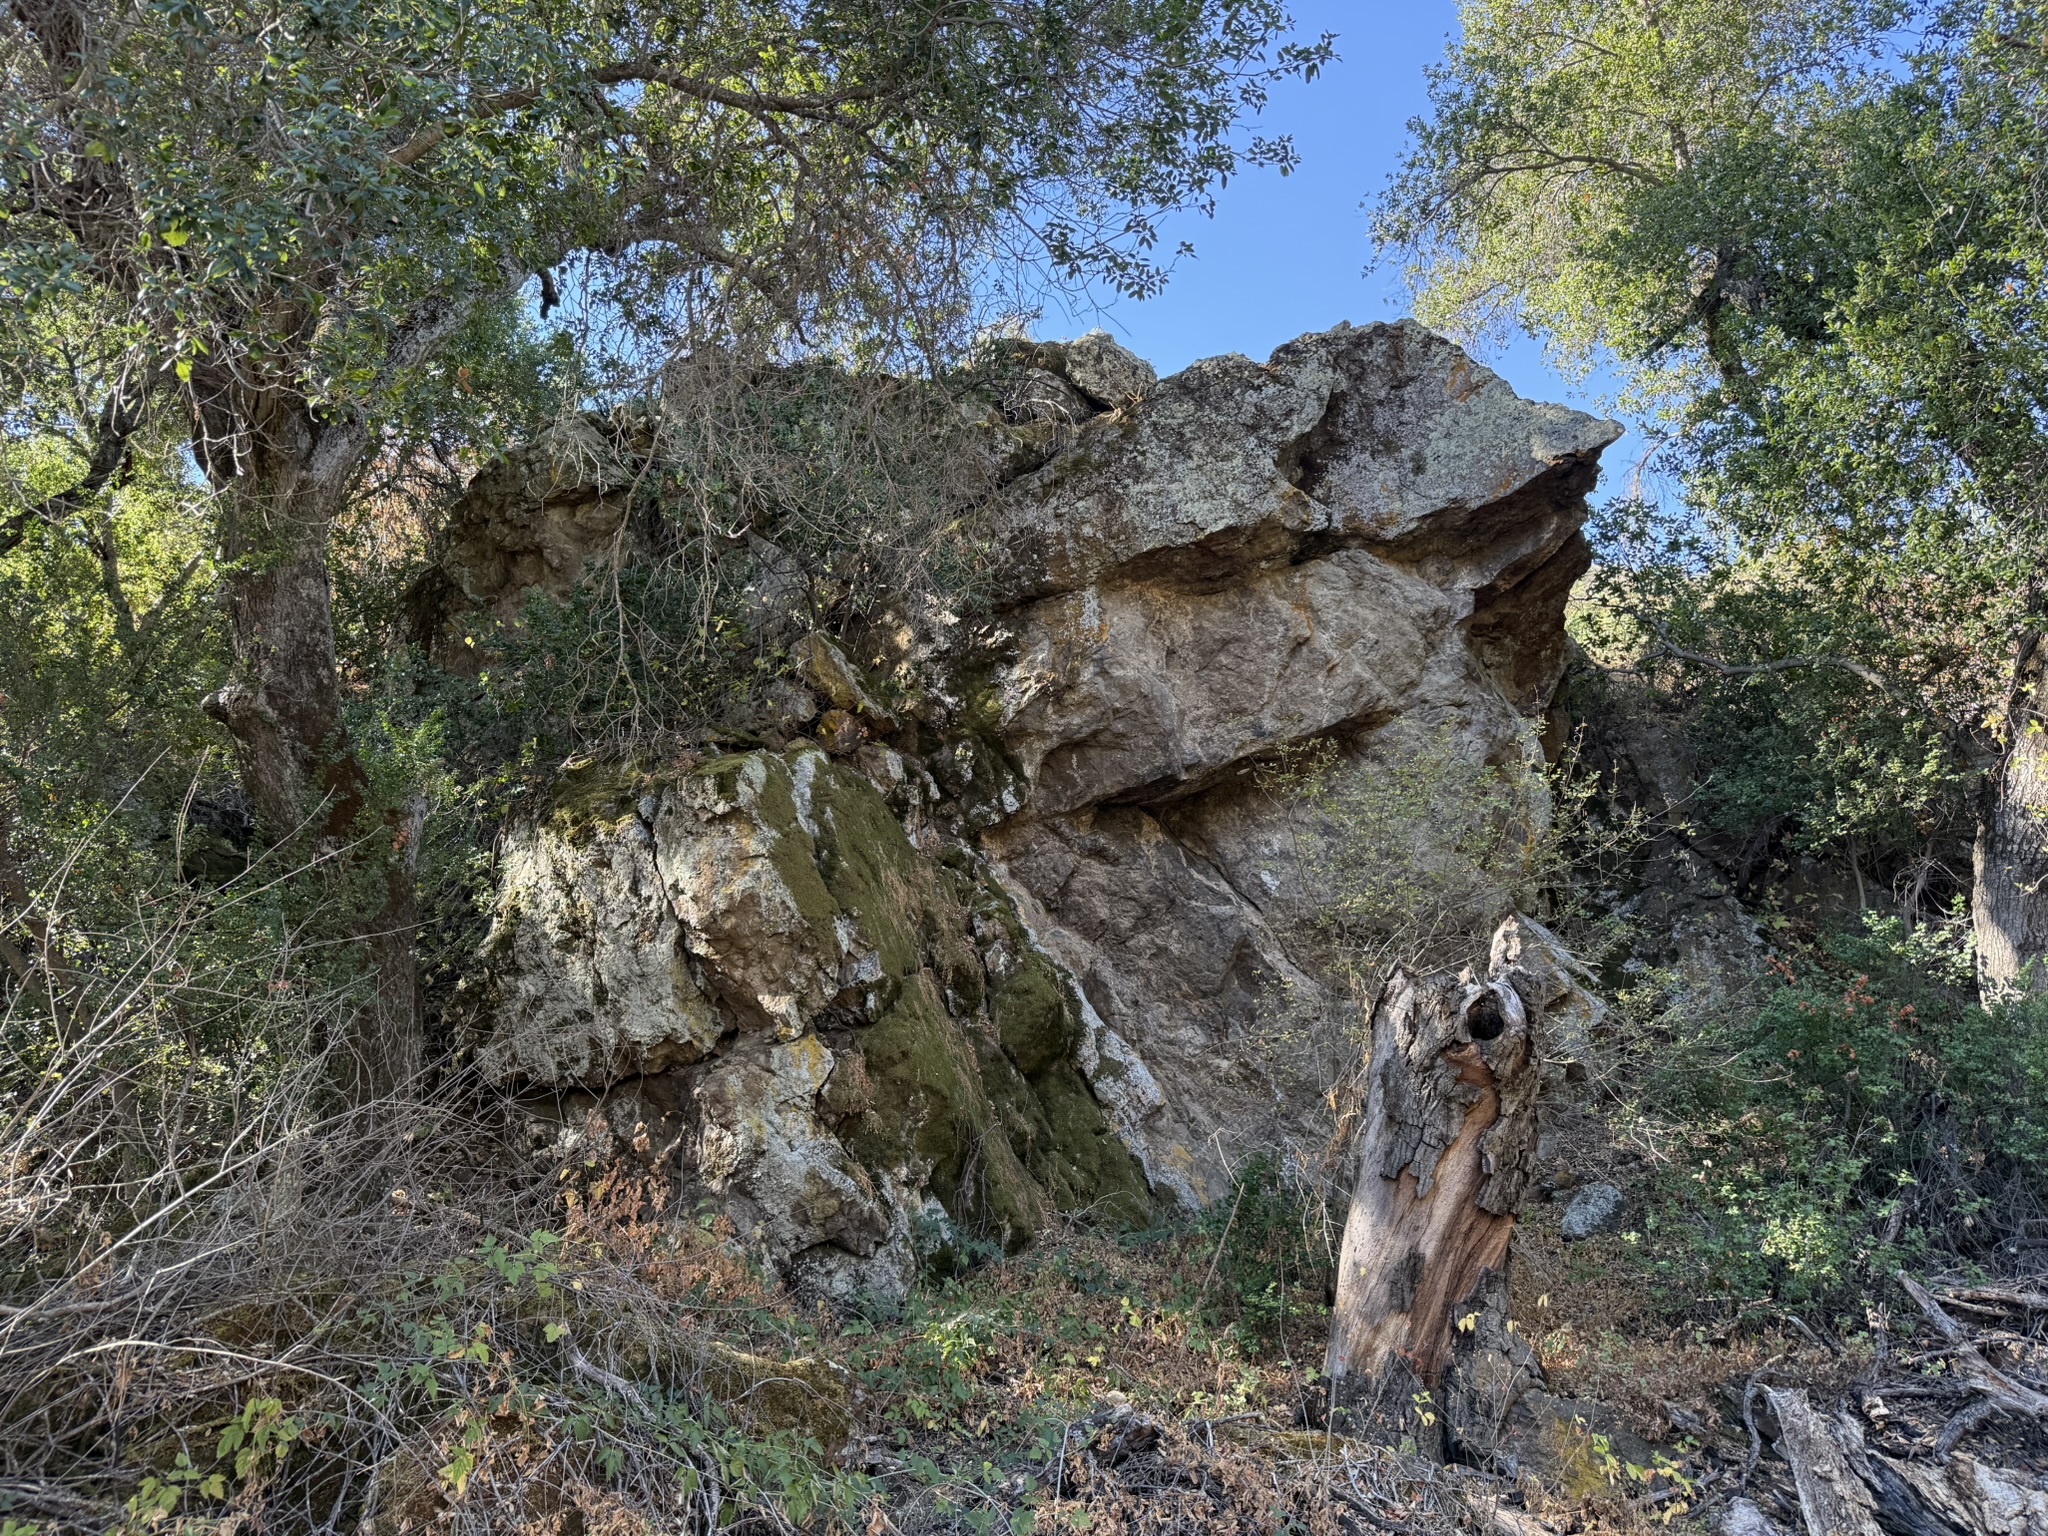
{"x": 116, "y": 423}
{"x": 1857, "y": 669}
{"x": 107, "y": 547}
{"x": 818, "y": 107}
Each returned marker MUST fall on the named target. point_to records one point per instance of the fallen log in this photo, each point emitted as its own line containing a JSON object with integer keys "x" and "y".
{"x": 1994, "y": 1392}
{"x": 1833, "y": 1499}
{"x": 1847, "y": 1489}
{"x": 1995, "y": 1300}
{"x": 1972, "y": 1497}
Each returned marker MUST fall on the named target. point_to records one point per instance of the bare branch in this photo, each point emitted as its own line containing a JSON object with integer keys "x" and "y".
{"x": 820, "y": 106}
{"x": 1857, "y": 669}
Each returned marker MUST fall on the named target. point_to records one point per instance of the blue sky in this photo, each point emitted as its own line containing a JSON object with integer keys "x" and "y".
{"x": 1285, "y": 255}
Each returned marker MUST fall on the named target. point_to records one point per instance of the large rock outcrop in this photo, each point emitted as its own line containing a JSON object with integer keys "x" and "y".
{"x": 746, "y": 963}
{"x": 1030, "y": 941}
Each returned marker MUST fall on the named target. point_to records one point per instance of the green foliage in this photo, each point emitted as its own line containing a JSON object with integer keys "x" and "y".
{"x": 1273, "y": 1264}
{"x": 1814, "y": 751}
{"x": 1579, "y": 158}
{"x": 945, "y": 1251}
{"x": 310, "y": 185}
{"x": 1810, "y": 240}
{"x": 1866, "y": 1112}
{"x": 108, "y": 638}
{"x": 1415, "y": 855}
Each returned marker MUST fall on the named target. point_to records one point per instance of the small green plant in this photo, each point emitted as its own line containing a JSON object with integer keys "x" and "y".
{"x": 1272, "y": 1260}
{"x": 954, "y": 1340}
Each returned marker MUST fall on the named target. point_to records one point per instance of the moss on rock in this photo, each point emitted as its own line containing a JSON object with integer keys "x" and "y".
{"x": 811, "y": 911}
{"x": 591, "y": 796}
{"x": 932, "y": 1106}
{"x": 1034, "y": 1017}
{"x": 766, "y": 1394}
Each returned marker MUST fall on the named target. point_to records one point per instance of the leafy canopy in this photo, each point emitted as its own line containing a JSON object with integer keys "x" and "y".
{"x": 1811, "y": 241}
{"x": 265, "y": 189}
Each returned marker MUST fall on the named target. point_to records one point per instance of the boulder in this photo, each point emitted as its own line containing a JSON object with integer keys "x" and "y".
{"x": 1038, "y": 940}
{"x": 747, "y": 965}
{"x": 1367, "y": 540}
{"x": 1595, "y": 1209}
{"x": 1107, "y": 373}
{"x": 530, "y": 521}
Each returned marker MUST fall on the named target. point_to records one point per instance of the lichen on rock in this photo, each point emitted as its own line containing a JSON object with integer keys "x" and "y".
{"x": 837, "y": 1011}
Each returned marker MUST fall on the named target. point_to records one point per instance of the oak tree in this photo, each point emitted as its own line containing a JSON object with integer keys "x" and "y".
{"x": 1810, "y": 238}
{"x": 286, "y": 220}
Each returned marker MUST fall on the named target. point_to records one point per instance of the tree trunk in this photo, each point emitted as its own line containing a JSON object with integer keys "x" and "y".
{"x": 1446, "y": 1151}
{"x": 304, "y": 777}
{"x": 2010, "y": 900}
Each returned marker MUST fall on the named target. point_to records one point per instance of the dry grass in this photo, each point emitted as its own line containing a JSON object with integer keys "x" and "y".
{"x": 1092, "y": 1384}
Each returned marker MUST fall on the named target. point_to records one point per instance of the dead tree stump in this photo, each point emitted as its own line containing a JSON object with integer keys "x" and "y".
{"x": 1419, "y": 1342}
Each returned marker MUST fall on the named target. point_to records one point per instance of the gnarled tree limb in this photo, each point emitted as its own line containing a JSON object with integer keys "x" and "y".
{"x": 1994, "y": 1391}
{"x": 1667, "y": 647}
{"x": 118, "y": 418}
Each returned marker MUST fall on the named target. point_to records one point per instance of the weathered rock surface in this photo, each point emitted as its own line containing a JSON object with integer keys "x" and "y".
{"x": 747, "y": 964}
{"x": 533, "y": 519}
{"x": 1034, "y": 942}
{"x": 1595, "y": 1209}
{"x": 1574, "y": 1014}
{"x": 1368, "y": 539}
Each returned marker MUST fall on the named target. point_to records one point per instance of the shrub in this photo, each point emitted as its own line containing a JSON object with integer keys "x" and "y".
{"x": 766, "y": 502}
{"x": 1866, "y": 1112}
{"x": 225, "y": 1306}
{"x": 1273, "y": 1264}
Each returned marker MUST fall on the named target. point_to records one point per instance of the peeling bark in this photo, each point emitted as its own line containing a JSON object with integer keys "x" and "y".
{"x": 1832, "y": 1498}
{"x": 1446, "y": 1153}
{"x": 1847, "y": 1489}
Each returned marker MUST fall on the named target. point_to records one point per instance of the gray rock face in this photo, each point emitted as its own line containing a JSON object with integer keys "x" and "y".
{"x": 1045, "y": 947}
{"x": 1368, "y": 539}
{"x": 1595, "y": 1209}
{"x": 1574, "y": 1015}
{"x": 1105, "y": 372}
{"x": 743, "y": 974}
